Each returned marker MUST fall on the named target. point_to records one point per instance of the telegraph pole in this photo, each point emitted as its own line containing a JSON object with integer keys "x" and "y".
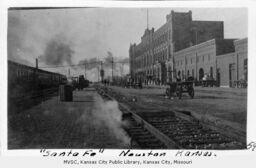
{"x": 196, "y": 41}
{"x": 98, "y": 73}
{"x": 147, "y": 18}
{"x": 98, "y": 67}
{"x": 122, "y": 70}
{"x": 196, "y": 53}
{"x": 112, "y": 67}
{"x": 101, "y": 72}
{"x": 84, "y": 70}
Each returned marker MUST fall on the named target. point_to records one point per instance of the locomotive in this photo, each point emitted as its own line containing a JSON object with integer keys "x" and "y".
{"x": 23, "y": 79}
{"x": 80, "y": 82}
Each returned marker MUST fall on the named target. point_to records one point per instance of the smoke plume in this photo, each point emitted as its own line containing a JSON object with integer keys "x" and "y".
{"x": 92, "y": 65}
{"x": 106, "y": 62}
{"x": 89, "y": 63}
{"x": 57, "y": 52}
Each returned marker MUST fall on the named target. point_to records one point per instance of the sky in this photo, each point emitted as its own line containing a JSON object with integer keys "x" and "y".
{"x": 78, "y": 35}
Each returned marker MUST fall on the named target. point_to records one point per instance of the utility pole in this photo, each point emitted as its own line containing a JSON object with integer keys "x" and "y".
{"x": 122, "y": 70}
{"x": 173, "y": 68}
{"x": 112, "y": 67}
{"x": 196, "y": 34}
{"x": 101, "y": 72}
{"x": 98, "y": 67}
{"x": 196, "y": 53}
{"x": 147, "y": 18}
{"x": 98, "y": 73}
{"x": 84, "y": 70}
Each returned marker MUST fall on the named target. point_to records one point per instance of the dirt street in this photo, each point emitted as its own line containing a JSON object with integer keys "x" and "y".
{"x": 226, "y": 106}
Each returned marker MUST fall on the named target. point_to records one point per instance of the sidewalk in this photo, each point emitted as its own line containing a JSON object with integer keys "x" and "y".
{"x": 86, "y": 122}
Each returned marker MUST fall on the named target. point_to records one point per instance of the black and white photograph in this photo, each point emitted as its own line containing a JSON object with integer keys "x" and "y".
{"x": 127, "y": 78}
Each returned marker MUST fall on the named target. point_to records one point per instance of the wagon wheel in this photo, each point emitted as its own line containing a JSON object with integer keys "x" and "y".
{"x": 167, "y": 92}
{"x": 191, "y": 93}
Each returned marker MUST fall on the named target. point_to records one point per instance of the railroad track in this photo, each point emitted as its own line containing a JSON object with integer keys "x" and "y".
{"x": 167, "y": 129}
{"x": 135, "y": 128}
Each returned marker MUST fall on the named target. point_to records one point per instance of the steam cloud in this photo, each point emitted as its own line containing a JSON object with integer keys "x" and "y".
{"x": 109, "y": 113}
{"x": 104, "y": 121}
{"x": 120, "y": 66}
{"x": 89, "y": 63}
{"x": 58, "y": 51}
{"x": 57, "y": 41}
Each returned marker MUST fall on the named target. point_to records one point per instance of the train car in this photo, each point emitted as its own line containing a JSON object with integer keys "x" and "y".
{"x": 82, "y": 82}
{"x": 23, "y": 78}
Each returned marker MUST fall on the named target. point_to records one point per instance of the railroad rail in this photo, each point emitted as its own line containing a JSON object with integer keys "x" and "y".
{"x": 153, "y": 128}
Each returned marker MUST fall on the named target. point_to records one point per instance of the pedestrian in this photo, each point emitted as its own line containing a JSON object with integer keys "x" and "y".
{"x": 172, "y": 90}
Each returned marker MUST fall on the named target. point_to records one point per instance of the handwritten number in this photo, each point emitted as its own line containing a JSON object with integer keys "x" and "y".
{"x": 252, "y": 146}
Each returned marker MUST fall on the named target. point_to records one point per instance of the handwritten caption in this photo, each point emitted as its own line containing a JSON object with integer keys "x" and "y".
{"x": 70, "y": 153}
{"x": 133, "y": 157}
{"x": 127, "y": 157}
{"x": 128, "y": 152}
{"x": 251, "y": 146}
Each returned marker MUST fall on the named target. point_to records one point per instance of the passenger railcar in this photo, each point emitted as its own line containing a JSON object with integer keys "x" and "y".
{"x": 23, "y": 78}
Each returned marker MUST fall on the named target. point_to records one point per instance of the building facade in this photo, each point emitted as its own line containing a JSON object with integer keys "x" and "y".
{"x": 198, "y": 60}
{"x": 185, "y": 48}
{"x": 232, "y": 67}
{"x": 152, "y": 60}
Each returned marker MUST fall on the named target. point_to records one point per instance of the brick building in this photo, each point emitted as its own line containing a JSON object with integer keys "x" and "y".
{"x": 152, "y": 59}
{"x": 232, "y": 67}
{"x": 198, "y": 60}
{"x": 183, "y": 47}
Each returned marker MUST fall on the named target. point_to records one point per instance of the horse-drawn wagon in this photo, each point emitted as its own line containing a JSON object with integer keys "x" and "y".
{"x": 179, "y": 88}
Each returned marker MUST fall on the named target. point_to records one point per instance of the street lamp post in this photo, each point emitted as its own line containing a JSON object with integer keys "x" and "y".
{"x": 112, "y": 62}
{"x": 196, "y": 33}
{"x": 196, "y": 53}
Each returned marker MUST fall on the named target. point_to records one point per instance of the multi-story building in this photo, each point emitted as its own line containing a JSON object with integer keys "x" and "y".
{"x": 153, "y": 58}
{"x": 232, "y": 67}
{"x": 183, "y": 47}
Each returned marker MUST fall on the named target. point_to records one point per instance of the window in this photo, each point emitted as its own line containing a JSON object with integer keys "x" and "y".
{"x": 203, "y": 58}
{"x": 211, "y": 72}
{"x": 245, "y": 68}
{"x": 209, "y": 57}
